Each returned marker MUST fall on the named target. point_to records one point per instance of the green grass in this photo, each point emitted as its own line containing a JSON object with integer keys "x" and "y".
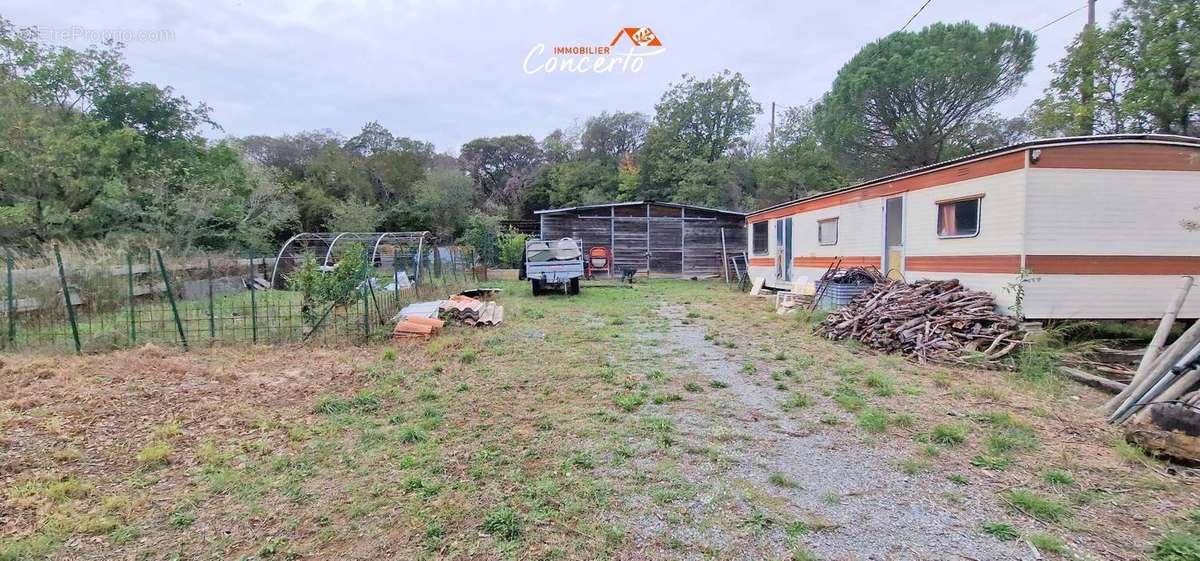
{"x": 718, "y": 384}
{"x": 797, "y": 401}
{"x": 873, "y": 420}
{"x": 780, "y": 480}
{"x": 1176, "y": 546}
{"x": 629, "y": 402}
{"x": 1058, "y": 477}
{"x": 948, "y": 434}
{"x": 1002, "y": 531}
{"x": 1037, "y": 505}
{"x": 154, "y": 455}
{"x": 503, "y": 523}
{"x": 1047, "y": 542}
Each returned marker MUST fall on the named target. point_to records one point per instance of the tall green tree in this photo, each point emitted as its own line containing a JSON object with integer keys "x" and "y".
{"x": 696, "y": 123}
{"x": 1142, "y": 71}
{"x": 608, "y": 137}
{"x": 902, "y": 101}
{"x": 796, "y": 164}
{"x": 501, "y": 168}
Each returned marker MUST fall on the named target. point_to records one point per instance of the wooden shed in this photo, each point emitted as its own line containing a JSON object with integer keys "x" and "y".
{"x": 658, "y": 239}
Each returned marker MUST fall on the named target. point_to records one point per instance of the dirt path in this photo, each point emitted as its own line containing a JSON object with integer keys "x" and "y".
{"x": 857, "y": 503}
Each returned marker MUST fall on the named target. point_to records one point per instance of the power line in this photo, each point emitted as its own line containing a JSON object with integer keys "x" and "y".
{"x": 914, "y": 16}
{"x": 1062, "y": 17}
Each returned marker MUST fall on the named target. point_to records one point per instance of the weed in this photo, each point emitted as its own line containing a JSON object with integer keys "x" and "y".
{"x": 718, "y": 384}
{"x": 758, "y": 521}
{"x": 912, "y": 466}
{"x": 829, "y": 419}
{"x": 992, "y": 463}
{"x": 849, "y": 399}
{"x": 1037, "y": 505}
{"x": 693, "y": 387}
{"x": 780, "y": 480}
{"x": 749, "y": 368}
{"x": 873, "y": 420}
{"x": 661, "y": 398}
{"x": 462, "y": 387}
{"x": 803, "y": 553}
{"x": 931, "y": 450}
{"x": 796, "y": 401}
{"x": 657, "y": 376}
{"x": 1132, "y": 453}
{"x": 831, "y": 499}
{"x": 883, "y": 384}
{"x": 504, "y": 523}
{"x": 1046, "y": 542}
{"x": 1010, "y": 439}
{"x": 122, "y": 535}
{"x": 1176, "y": 546}
{"x": 1002, "y": 531}
{"x": 154, "y": 455}
{"x": 948, "y": 434}
{"x": 427, "y": 394}
{"x": 780, "y": 356}
{"x": 1058, "y": 477}
{"x": 906, "y": 420}
{"x": 467, "y": 357}
{"x": 182, "y": 518}
{"x": 629, "y": 402}
{"x": 412, "y": 435}
{"x": 581, "y": 460}
{"x": 167, "y": 431}
{"x": 389, "y": 355}
{"x": 957, "y": 479}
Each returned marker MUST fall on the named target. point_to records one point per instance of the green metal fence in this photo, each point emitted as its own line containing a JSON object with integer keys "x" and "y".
{"x": 73, "y": 306}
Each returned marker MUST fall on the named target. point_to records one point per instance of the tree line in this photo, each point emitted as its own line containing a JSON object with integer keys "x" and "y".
{"x": 87, "y": 153}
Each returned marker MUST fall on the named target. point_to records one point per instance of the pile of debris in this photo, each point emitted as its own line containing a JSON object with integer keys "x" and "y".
{"x": 471, "y": 311}
{"x": 417, "y": 326}
{"x": 930, "y": 320}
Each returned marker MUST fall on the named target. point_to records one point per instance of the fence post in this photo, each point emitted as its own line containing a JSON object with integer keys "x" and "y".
{"x": 12, "y": 303}
{"x": 212, "y": 319}
{"x": 62, "y": 278}
{"x": 132, "y": 313}
{"x": 366, "y": 304}
{"x": 253, "y": 303}
{"x": 171, "y": 298}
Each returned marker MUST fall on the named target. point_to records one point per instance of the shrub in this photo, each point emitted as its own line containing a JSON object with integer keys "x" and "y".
{"x": 512, "y": 249}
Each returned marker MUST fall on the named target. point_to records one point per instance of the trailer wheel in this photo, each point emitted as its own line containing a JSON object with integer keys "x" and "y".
{"x": 573, "y": 286}
{"x": 536, "y": 285}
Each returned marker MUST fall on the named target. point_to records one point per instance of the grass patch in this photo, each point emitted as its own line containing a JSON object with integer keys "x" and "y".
{"x": 1176, "y": 546}
{"x": 503, "y": 523}
{"x": 780, "y": 480}
{"x": 718, "y": 384}
{"x": 154, "y": 455}
{"x": 1058, "y": 478}
{"x": 873, "y": 420}
{"x": 629, "y": 402}
{"x": 948, "y": 434}
{"x": 1002, "y": 531}
{"x": 797, "y": 401}
{"x": 1046, "y": 542}
{"x": 1037, "y": 505}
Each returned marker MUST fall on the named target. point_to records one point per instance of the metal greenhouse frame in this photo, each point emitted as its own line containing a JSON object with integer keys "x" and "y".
{"x": 322, "y": 246}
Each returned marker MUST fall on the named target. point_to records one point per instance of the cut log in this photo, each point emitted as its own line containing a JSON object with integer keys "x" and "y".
{"x": 1087, "y": 379}
{"x": 1170, "y": 430}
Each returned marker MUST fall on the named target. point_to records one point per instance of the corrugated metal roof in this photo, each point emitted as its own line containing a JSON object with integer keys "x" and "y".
{"x": 1097, "y": 139}
{"x": 634, "y": 203}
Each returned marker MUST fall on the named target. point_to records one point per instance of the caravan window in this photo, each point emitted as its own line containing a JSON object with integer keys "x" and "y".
{"x": 959, "y": 218}
{"x": 827, "y": 231}
{"x": 759, "y": 238}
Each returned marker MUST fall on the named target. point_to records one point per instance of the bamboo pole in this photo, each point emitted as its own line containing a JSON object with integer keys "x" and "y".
{"x": 1176, "y": 389}
{"x": 1165, "y": 361}
{"x": 1155, "y": 347}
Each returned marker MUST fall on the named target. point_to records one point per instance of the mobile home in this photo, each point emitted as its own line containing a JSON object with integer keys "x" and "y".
{"x": 1096, "y": 227}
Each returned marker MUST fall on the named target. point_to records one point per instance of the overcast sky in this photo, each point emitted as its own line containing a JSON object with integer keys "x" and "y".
{"x": 451, "y": 71}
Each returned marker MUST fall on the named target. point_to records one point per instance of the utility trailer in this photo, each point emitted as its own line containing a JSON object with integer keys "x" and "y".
{"x": 553, "y": 264}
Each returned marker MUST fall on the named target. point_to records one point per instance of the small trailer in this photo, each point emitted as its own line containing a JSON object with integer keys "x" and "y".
{"x": 553, "y": 263}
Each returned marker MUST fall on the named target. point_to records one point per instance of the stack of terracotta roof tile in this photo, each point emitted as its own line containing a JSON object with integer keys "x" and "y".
{"x": 416, "y": 326}
{"x": 471, "y": 311}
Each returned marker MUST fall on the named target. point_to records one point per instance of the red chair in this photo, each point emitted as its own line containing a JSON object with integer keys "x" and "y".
{"x": 599, "y": 259}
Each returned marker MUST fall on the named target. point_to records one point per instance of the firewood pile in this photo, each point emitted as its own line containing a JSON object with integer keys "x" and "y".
{"x": 937, "y": 321}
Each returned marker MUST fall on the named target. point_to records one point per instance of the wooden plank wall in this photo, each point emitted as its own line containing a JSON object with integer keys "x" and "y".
{"x": 682, "y": 242}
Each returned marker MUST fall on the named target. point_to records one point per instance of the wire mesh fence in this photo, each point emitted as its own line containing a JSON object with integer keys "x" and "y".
{"x": 69, "y": 304}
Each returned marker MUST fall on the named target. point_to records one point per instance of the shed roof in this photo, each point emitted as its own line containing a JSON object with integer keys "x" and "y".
{"x": 1042, "y": 142}
{"x": 636, "y": 203}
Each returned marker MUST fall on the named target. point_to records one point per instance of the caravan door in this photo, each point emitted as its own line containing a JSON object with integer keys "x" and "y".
{"x": 783, "y": 250}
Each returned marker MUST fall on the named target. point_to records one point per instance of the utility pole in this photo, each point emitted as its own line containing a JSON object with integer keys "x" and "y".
{"x": 1089, "y": 81}
{"x": 771, "y": 139}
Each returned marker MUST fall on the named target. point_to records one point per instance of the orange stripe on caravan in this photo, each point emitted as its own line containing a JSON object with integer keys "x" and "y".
{"x": 964, "y": 263}
{"x": 849, "y": 261}
{"x": 945, "y": 176}
{"x": 1113, "y": 264}
{"x": 1121, "y": 156}
{"x": 762, "y": 261}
